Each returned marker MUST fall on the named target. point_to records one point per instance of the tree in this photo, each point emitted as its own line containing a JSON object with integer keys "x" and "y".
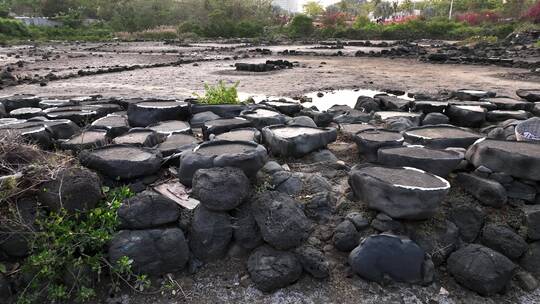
{"x": 301, "y": 26}
{"x": 313, "y": 9}
{"x": 384, "y": 10}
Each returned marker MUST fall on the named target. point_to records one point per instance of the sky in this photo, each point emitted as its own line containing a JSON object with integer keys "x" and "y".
{"x": 323, "y": 2}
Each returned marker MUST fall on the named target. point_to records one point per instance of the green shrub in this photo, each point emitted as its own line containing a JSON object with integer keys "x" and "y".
{"x": 67, "y": 253}
{"x": 13, "y": 28}
{"x": 361, "y": 22}
{"x": 189, "y": 27}
{"x": 219, "y": 94}
{"x": 301, "y": 26}
{"x": 249, "y": 29}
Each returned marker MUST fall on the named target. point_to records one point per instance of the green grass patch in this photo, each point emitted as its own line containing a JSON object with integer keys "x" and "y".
{"x": 219, "y": 94}
{"x": 67, "y": 253}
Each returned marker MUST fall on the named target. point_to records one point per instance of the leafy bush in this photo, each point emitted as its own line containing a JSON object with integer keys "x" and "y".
{"x": 219, "y": 94}
{"x": 301, "y": 26}
{"x": 13, "y": 28}
{"x": 189, "y": 27}
{"x": 361, "y": 22}
{"x": 67, "y": 253}
{"x": 477, "y": 18}
{"x": 248, "y": 28}
{"x": 533, "y": 14}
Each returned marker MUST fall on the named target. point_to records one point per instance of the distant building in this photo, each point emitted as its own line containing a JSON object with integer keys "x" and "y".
{"x": 292, "y": 6}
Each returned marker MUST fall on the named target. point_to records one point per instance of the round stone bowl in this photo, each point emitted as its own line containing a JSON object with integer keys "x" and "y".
{"x": 400, "y": 192}
{"x": 248, "y": 156}
{"x": 529, "y": 130}
{"x": 297, "y": 141}
{"x": 370, "y": 141}
{"x": 122, "y": 161}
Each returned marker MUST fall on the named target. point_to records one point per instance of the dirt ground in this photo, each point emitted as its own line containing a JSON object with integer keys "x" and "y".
{"x": 227, "y": 281}
{"x": 313, "y": 73}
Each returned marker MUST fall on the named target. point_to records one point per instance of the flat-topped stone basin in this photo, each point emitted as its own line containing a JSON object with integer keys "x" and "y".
{"x": 297, "y": 141}
{"x": 53, "y": 103}
{"x": 25, "y": 113}
{"x": 531, "y": 95}
{"x": 505, "y": 103}
{"x": 34, "y": 132}
{"x": 88, "y": 139}
{"x": 122, "y": 162}
{"x": 262, "y": 117}
{"x": 20, "y": 101}
{"x": 177, "y": 143}
{"x": 467, "y": 116}
{"x": 468, "y": 94}
{"x": 60, "y": 128}
{"x": 246, "y": 134}
{"x": 482, "y": 103}
{"x": 426, "y": 106}
{"x": 386, "y": 115}
{"x": 370, "y": 141}
{"x": 441, "y": 136}
{"x": 171, "y": 127}
{"x": 517, "y": 158}
{"x": 402, "y": 193}
{"x": 501, "y": 115}
{"x": 248, "y": 156}
{"x": 139, "y": 137}
{"x": 79, "y": 115}
{"x": 438, "y": 162}
{"x": 147, "y": 113}
{"x": 220, "y": 126}
{"x": 289, "y": 108}
{"x": 352, "y": 129}
{"x": 225, "y": 111}
{"x": 116, "y": 125}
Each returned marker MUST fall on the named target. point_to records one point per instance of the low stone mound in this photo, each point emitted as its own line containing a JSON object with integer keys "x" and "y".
{"x": 220, "y": 126}
{"x": 370, "y": 141}
{"x": 384, "y": 255}
{"x": 122, "y": 162}
{"x": 138, "y": 137}
{"x": 518, "y": 159}
{"x": 270, "y": 65}
{"x": 297, "y": 141}
{"x": 481, "y": 269}
{"x": 441, "y": 136}
{"x": 402, "y": 193}
{"x": 88, "y": 139}
{"x": 171, "y": 127}
{"x": 263, "y": 117}
{"x": 438, "y": 162}
{"x": 248, "y": 156}
{"x": 383, "y": 116}
{"x": 353, "y": 129}
{"x": 60, "y": 128}
{"x": 148, "y": 113}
